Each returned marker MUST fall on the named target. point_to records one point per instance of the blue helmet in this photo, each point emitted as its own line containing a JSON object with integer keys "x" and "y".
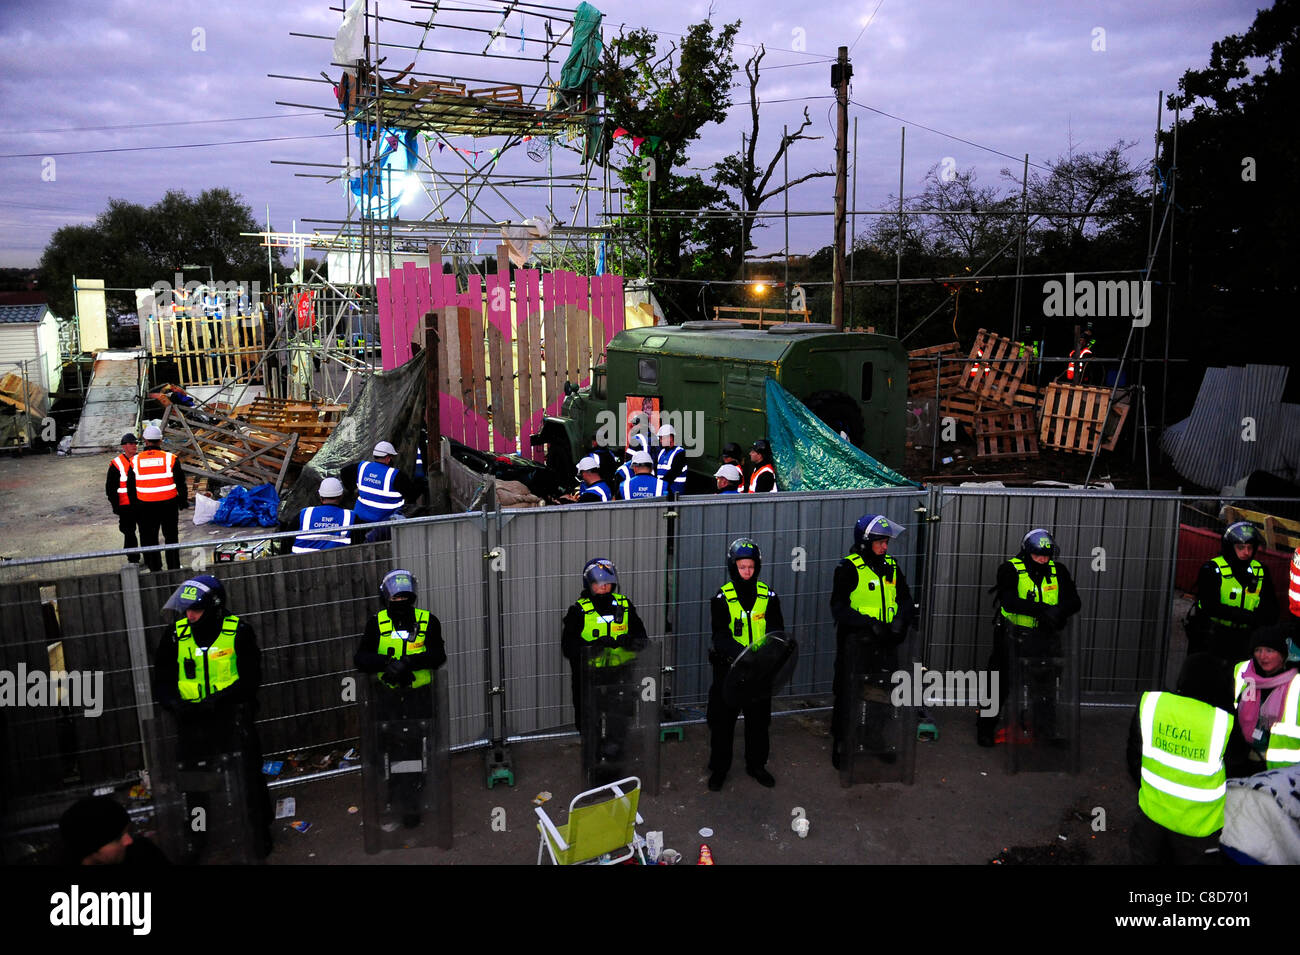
{"x": 874, "y": 527}
{"x": 397, "y": 584}
{"x": 198, "y": 593}
{"x": 599, "y": 570}
{"x": 1039, "y": 541}
{"x": 742, "y": 548}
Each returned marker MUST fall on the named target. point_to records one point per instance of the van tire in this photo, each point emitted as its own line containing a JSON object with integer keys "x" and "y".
{"x": 840, "y": 412}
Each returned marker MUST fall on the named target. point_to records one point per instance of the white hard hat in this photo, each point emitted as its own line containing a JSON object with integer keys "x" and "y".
{"x": 728, "y": 471}
{"x": 589, "y": 463}
{"x": 642, "y": 457}
{"x": 331, "y": 487}
{"x": 384, "y": 449}
{"x": 666, "y": 431}
{"x": 152, "y": 433}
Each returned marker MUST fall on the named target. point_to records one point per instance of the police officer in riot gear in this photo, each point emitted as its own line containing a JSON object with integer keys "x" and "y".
{"x": 743, "y": 611}
{"x": 1034, "y": 593}
{"x": 602, "y": 635}
{"x": 207, "y": 671}
{"x": 871, "y": 603}
{"x": 1234, "y": 597}
{"x": 402, "y": 646}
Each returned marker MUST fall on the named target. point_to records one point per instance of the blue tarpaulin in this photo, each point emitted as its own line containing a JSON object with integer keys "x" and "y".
{"x": 245, "y": 508}
{"x": 809, "y": 456}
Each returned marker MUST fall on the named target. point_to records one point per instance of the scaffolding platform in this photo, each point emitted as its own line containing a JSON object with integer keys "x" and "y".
{"x": 112, "y": 403}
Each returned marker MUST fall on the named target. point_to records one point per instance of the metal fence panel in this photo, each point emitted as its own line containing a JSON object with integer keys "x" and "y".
{"x": 544, "y": 553}
{"x": 1119, "y": 548}
{"x": 446, "y": 555}
{"x": 802, "y": 538}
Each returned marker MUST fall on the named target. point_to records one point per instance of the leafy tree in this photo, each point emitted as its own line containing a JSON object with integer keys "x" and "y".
{"x": 1234, "y": 195}
{"x": 134, "y": 246}
{"x": 666, "y": 98}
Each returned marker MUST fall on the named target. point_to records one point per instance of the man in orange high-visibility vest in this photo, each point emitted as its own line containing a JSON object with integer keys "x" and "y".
{"x": 156, "y": 488}
{"x": 115, "y": 489}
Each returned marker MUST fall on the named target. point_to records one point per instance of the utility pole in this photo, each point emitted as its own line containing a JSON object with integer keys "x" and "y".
{"x": 841, "y": 73}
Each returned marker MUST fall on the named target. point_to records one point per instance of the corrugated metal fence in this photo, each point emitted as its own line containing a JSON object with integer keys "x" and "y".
{"x": 501, "y": 581}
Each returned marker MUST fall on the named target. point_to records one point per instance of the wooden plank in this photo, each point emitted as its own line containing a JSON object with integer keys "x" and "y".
{"x": 397, "y": 288}
{"x": 453, "y": 420}
{"x": 465, "y": 394}
{"x": 580, "y": 337}
{"x": 533, "y": 319}
{"x": 504, "y": 420}
{"x": 552, "y": 341}
{"x": 423, "y": 302}
{"x": 383, "y": 297}
{"x": 478, "y": 343}
{"x": 616, "y": 311}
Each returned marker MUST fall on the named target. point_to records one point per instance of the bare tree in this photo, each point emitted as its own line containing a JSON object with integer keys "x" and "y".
{"x": 740, "y": 171}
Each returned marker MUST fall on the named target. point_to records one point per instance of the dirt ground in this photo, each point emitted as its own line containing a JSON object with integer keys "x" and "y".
{"x": 55, "y": 505}
{"x": 964, "y": 808}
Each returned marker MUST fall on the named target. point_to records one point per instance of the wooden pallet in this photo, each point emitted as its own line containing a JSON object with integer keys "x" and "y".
{"x": 1073, "y": 417}
{"x": 226, "y": 450}
{"x": 312, "y": 422}
{"x": 996, "y": 367}
{"x": 1006, "y": 434}
{"x": 947, "y": 362}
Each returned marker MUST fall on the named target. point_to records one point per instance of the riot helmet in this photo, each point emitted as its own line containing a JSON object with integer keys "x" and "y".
{"x": 732, "y": 450}
{"x": 198, "y": 593}
{"x": 874, "y": 527}
{"x": 398, "y": 586}
{"x": 742, "y": 548}
{"x": 599, "y": 570}
{"x": 1038, "y": 542}
{"x": 1242, "y": 532}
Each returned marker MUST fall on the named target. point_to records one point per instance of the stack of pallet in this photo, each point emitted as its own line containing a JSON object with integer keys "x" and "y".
{"x": 225, "y": 450}
{"x": 1076, "y": 417}
{"x": 312, "y": 422}
{"x": 940, "y": 364}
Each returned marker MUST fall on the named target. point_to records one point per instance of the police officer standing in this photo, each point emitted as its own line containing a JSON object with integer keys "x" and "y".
{"x": 117, "y": 490}
{"x": 743, "y": 612}
{"x": 602, "y": 635}
{"x": 158, "y": 493}
{"x": 326, "y": 525}
{"x": 1034, "y": 592}
{"x": 763, "y": 477}
{"x": 382, "y": 490}
{"x": 1234, "y": 597}
{"x": 870, "y": 603}
{"x": 207, "y": 671}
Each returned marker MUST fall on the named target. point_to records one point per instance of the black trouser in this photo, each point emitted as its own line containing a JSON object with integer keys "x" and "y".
{"x": 126, "y": 522}
{"x": 876, "y": 654}
{"x": 152, "y": 517}
{"x": 1152, "y": 844}
{"x": 1229, "y": 644}
{"x": 722, "y": 727}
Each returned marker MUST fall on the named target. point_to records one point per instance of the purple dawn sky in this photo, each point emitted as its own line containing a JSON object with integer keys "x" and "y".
{"x": 1017, "y": 76}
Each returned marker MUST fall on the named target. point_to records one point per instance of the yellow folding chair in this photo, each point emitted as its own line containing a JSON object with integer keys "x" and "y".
{"x": 601, "y": 827}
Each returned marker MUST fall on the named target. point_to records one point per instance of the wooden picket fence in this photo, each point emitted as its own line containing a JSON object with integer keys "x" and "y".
{"x": 504, "y": 351}
{"x": 207, "y": 351}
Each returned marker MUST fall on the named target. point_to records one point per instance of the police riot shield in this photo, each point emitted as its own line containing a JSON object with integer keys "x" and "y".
{"x": 405, "y": 765}
{"x": 1042, "y": 728}
{"x": 200, "y": 794}
{"x": 621, "y": 702}
{"x": 760, "y": 671}
{"x": 879, "y": 744}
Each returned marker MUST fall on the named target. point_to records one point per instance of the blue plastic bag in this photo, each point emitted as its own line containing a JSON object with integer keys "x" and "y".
{"x": 244, "y": 508}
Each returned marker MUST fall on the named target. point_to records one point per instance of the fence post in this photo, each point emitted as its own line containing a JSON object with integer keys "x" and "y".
{"x": 141, "y": 659}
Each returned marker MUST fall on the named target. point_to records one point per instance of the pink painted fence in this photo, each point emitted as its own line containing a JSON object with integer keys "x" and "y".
{"x": 504, "y": 355}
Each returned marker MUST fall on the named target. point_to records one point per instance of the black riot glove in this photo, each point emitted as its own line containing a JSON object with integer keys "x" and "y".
{"x": 897, "y": 630}
{"x": 1051, "y": 617}
{"x": 396, "y": 669}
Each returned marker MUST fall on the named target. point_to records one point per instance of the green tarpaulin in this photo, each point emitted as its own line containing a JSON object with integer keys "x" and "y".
{"x": 810, "y": 456}
{"x": 584, "y": 55}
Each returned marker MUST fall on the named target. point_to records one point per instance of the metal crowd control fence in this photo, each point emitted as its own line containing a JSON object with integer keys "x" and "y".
{"x": 500, "y": 582}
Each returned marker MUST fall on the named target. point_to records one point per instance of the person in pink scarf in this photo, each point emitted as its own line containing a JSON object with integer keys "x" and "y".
{"x": 1260, "y": 685}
